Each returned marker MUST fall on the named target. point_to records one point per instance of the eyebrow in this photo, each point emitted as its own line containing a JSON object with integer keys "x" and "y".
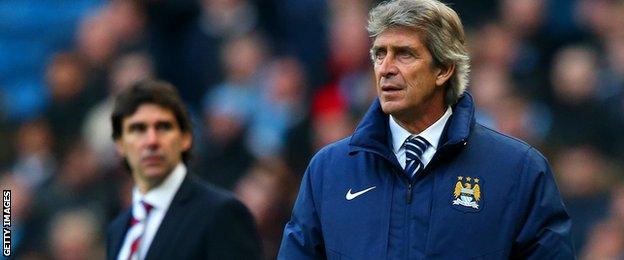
{"x": 404, "y": 48}
{"x": 137, "y": 125}
{"x": 165, "y": 123}
{"x": 159, "y": 123}
{"x": 395, "y": 48}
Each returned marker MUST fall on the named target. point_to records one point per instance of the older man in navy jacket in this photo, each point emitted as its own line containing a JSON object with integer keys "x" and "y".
{"x": 419, "y": 178}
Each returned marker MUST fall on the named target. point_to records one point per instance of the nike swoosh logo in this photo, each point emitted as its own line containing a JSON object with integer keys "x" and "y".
{"x": 351, "y": 196}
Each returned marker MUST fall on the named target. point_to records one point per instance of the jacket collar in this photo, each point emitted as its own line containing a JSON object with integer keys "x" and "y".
{"x": 373, "y": 133}
{"x": 117, "y": 233}
{"x": 175, "y": 214}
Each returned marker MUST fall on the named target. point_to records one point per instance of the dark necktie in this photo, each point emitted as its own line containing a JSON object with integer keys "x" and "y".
{"x": 415, "y": 146}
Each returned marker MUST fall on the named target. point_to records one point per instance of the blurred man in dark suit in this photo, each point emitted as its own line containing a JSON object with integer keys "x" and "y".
{"x": 173, "y": 215}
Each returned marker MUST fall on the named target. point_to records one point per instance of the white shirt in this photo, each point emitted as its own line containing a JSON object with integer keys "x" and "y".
{"x": 160, "y": 198}
{"x": 432, "y": 134}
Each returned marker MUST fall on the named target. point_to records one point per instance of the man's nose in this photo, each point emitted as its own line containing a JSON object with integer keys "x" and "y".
{"x": 151, "y": 138}
{"x": 388, "y": 68}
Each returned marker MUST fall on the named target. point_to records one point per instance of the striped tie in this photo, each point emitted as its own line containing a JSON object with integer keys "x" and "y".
{"x": 137, "y": 228}
{"x": 415, "y": 146}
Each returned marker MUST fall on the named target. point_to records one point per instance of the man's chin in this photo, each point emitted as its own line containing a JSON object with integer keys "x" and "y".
{"x": 150, "y": 177}
{"x": 155, "y": 173}
{"x": 391, "y": 107}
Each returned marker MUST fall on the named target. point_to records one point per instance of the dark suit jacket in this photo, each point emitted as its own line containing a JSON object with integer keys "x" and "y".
{"x": 202, "y": 222}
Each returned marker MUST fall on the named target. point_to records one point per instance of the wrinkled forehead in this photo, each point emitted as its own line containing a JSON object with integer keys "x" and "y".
{"x": 399, "y": 36}
{"x": 400, "y": 31}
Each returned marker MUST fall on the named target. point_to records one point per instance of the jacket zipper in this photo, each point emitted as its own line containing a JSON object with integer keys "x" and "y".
{"x": 409, "y": 193}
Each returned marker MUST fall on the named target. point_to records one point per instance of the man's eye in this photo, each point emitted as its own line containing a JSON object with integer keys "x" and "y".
{"x": 405, "y": 54}
{"x": 164, "y": 126}
{"x": 136, "y": 128}
{"x": 379, "y": 55}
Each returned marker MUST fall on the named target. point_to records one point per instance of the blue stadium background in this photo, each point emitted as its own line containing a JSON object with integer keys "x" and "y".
{"x": 268, "y": 83}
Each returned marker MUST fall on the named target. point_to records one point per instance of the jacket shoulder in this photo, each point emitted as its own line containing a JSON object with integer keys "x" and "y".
{"x": 212, "y": 203}
{"x": 511, "y": 146}
{"x": 504, "y": 150}
{"x": 332, "y": 153}
{"x": 333, "y": 149}
{"x": 211, "y": 194}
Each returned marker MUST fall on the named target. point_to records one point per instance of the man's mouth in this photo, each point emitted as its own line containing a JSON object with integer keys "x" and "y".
{"x": 390, "y": 88}
{"x": 152, "y": 159}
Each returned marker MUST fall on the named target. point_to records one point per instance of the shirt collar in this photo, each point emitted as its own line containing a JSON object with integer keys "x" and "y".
{"x": 432, "y": 134}
{"x": 161, "y": 196}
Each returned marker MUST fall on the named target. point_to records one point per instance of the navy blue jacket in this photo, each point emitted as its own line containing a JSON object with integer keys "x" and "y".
{"x": 484, "y": 195}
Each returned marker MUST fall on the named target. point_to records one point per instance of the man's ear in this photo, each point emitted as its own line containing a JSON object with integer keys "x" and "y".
{"x": 120, "y": 149}
{"x": 444, "y": 74}
{"x": 187, "y": 141}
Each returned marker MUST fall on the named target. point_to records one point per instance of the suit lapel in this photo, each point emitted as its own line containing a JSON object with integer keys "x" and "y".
{"x": 118, "y": 229}
{"x": 175, "y": 215}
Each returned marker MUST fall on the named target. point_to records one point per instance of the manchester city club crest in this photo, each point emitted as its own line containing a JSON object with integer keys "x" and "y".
{"x": 467, "y": 193}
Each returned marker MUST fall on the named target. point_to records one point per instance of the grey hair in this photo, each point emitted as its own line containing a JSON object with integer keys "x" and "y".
{"x": 441, "y": 31}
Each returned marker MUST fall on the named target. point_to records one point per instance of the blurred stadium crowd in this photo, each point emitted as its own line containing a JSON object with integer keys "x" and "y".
{"x": 268, "y": 83}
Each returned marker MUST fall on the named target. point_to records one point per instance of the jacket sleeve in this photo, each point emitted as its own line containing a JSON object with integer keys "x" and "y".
{"x": 302, "y": 237}
{"x": 544, "y": 232}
